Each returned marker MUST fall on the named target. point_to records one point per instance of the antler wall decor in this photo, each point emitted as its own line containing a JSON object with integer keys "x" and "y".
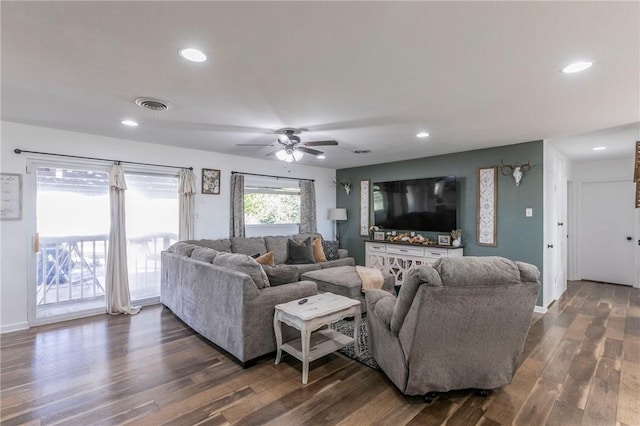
{"x": 346, "y": 185}
{"x": 517, "y": 171}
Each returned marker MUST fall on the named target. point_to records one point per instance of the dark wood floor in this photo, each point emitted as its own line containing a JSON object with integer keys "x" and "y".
{"x": 581, "y": 366}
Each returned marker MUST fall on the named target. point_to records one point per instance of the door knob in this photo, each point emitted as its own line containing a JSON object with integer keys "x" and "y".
{"x": 549, "y": 245}
{"x": 629, "y": 238}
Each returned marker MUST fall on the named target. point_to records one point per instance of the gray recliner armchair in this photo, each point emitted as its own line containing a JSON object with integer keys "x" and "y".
{"x": 460, "y": 324}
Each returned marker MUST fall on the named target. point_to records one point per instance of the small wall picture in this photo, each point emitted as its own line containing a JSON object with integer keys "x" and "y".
{"x": 378, "y": 235}
{"x": 210, "y": 181}
{"x": 444, "y": 240}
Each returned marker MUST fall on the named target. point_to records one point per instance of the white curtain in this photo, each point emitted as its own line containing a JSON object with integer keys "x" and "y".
{"x": 117, "y": 279}
{"x": 308, "y": 222}
{"x": 186, "y": 190}
{"x": 236, "y": 221}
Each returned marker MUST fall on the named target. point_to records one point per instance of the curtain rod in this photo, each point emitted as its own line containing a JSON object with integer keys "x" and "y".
{"x": 272, "y": 176}
{"x": 20, "y": 151}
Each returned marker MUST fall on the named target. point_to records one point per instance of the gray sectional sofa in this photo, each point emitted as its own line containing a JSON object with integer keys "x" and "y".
{"x": 226, "y": 298}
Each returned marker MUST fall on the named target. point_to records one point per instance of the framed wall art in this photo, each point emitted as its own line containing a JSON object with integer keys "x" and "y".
{"x": 210, "y": 181}
{"x": 11, "y": 192}
{"x": 487, "y": 206}
{"x": 364, "y": 207}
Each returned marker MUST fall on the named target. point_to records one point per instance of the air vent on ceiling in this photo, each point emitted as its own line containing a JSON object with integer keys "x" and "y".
{"x": 153, "y": 104}
{"x": 361, "y": 151}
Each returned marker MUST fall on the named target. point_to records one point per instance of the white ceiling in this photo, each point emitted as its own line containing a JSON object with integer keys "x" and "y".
{"x": 368, "y": 74}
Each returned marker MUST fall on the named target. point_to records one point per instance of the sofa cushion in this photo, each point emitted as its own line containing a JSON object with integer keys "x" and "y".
{"x": 318, "y": 252}
{"x": 306, "y": 267}
{"x": 278, "y": 245}
{"x": 204, "y": 254}
{"x": 219, "y": 245}
{"x": 281, "y": 274}
{"x": 182, "y": 248}
{"x": 477, "y": 271}
{"x": 264, "y": 259}
{"x": 248, "y": 245}
{"x": 300, "y": 252}
{"x": 243, "y": 263}
{"x": 330, "y": 249}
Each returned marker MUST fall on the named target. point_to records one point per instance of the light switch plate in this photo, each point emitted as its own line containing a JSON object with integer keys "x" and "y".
{"x": 528, "y": 212}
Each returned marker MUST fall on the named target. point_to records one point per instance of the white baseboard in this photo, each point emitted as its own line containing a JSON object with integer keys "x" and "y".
{"x": 540, "y": 309}
{"x": 14, "y": 327}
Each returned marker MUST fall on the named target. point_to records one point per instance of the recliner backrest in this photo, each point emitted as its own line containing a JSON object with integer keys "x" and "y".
{"x": 477, "y": 271}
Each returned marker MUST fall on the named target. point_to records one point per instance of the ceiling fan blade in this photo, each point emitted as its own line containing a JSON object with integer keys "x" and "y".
{"x": 269, "y": 154}
{"x": 320, "y": 143}
{"x": 309, "y": 150}
{"x": 253, "y": 144}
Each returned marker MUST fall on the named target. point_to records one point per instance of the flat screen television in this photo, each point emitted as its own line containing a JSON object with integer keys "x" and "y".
{"x": 428, "y": 204}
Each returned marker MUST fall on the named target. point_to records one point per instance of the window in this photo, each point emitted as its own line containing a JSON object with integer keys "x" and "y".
{"x": 271, "y": 202}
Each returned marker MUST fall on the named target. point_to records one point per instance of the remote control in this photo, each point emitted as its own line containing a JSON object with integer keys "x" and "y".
{"x": 303, "y": 301}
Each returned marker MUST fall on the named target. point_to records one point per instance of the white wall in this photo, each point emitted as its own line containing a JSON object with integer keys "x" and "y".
{"x": 212, "y": 210}
{"x": 604, "y": 169}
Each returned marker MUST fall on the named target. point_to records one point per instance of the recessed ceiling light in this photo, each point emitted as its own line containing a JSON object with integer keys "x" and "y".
{"x": 193, "y": 55}
{"x": 321, "y": 157}
{"x": 422, "y": 135}
{"x": 129, "y": 123}
{"x": 599, "y": 148}
{"x": 577, "y": 67}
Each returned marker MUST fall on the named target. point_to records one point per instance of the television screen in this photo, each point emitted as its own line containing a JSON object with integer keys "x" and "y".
{"x": 428, "y": 204}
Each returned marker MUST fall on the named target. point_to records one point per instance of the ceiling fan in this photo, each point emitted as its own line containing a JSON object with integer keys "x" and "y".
{"x": 292, "y": 148}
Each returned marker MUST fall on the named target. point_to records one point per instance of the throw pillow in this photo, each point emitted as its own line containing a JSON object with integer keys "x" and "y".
{"x": 204, "y": 254}
{"x": 331, "y": 250}
{"x": 265, "y": 259}
{"x": 318, "y": 252}
{"x": 281, "y": 274}
{"x": 182, "y": 248}
{"x": 300, "y": 252}
{"x": 243, "y": 263}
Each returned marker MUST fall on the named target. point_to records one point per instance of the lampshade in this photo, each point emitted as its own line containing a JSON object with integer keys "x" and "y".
{"x": 337, "y": 214}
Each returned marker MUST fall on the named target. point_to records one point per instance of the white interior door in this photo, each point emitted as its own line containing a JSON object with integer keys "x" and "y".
{"x": 608, "y": 232}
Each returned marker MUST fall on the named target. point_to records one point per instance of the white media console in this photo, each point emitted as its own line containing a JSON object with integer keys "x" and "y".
{"x": 398, "y": 258}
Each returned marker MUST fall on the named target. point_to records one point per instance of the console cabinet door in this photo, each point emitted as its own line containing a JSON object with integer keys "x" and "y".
{"x": 398, "y": 259}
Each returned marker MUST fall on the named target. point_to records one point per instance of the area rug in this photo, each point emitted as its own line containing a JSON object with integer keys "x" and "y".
{"x": 347, "y": 326}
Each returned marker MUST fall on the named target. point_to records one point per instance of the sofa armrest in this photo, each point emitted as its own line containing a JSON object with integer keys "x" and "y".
{"x": 342, "y": 253}
{"x": 286, "y": 292}
{"x": 381, "y": 304}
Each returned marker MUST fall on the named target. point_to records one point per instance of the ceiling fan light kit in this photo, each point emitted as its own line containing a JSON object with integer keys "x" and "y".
{"x": 292, "y": 148}
{"x": 289, "y": 155}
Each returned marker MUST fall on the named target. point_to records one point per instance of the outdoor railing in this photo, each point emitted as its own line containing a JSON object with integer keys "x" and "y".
{"x": 72, "y": 268}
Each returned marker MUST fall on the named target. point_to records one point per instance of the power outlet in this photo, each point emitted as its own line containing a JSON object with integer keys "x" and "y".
{"x": 528, "y": 212}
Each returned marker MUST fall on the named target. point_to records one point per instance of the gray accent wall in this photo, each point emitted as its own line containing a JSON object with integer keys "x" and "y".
{"x": 518, "y": 237}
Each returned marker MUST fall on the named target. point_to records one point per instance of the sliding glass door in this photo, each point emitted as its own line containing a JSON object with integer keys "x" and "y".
{"x": 72, "y": 222}
{"x": 152, "y": 225}
{"x": 72, "y": 225}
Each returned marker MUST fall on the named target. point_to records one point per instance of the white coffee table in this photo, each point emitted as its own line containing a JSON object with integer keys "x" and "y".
{"x": 319, "y": 311}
